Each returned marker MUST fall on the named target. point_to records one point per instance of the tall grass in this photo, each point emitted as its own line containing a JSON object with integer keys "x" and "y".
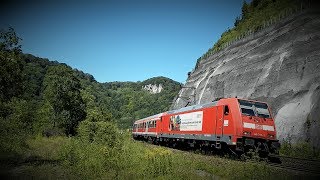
{"x": 300, "y": 150}
{"x": 74, "y": 158}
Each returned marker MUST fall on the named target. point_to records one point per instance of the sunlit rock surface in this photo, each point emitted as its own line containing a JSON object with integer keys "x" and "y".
{"x": 279, "y": 65}
{"x": 153, "y": 88}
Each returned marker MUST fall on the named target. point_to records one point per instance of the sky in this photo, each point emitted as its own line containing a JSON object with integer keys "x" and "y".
{"x": 121, "y": 40}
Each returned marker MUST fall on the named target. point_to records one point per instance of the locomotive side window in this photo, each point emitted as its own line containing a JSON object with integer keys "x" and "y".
{"x": 226, "y": 110}
{"x": 254, "y": 109}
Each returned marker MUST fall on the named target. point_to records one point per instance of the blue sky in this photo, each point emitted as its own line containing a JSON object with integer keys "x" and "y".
{"x": 121, "y": 40}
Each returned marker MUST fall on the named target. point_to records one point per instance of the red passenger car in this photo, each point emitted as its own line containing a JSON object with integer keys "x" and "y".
{"x": 236, "y": 124}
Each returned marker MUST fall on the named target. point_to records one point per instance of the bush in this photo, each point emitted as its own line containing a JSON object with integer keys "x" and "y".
{"x": 86, "y": 160}
{"x": 301, "y": 150}
{"x": 97, "y": 152}
{"x": 104, "y": 133}
{"x": 46, "y": 148}
{"x": 159, "y": 162}
{"x": 132, "y": 161}
{"x": 16, "y": 127}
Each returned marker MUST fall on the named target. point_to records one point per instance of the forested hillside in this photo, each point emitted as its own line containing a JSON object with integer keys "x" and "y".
{"x": 39, "y": 96}
{"x": 124, "y": 102}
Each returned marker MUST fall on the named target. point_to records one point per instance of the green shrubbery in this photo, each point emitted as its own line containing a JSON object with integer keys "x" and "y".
{"x": 96, "y": 152}
{"x": 301, "y": 150}
{"x": 16, "y": 127}
{"x": 104, "y": 133}
{"x": 101, "y": 151}
{"x": 100, "y": 161}
{"x": 46, "y": 148}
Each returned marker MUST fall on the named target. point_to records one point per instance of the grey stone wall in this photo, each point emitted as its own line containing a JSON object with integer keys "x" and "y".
{"x": 279, "y": 65}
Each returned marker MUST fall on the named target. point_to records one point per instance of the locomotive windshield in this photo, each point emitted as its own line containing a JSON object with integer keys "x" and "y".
{"x": 250, "y": 108}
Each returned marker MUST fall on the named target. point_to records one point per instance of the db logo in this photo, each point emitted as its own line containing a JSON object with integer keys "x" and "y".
{"x": 258, "y": 126}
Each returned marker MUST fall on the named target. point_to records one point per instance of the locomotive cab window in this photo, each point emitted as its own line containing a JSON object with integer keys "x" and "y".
{"x": 262, "y": 110}
{"x": 250, "y": 108}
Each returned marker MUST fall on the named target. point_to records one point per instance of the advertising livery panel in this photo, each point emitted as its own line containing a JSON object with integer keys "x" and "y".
{"x": 186, "y": 122}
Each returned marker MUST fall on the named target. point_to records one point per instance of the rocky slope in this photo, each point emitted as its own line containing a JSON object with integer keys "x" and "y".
{"x": 279, "y": 65}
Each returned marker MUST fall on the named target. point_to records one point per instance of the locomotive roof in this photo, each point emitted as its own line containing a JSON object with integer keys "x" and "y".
{"x": 194, "y": 107}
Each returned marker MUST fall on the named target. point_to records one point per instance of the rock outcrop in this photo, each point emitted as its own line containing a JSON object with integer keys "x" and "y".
{"x": 279, "y": 65}
{"x": 153, "y": 88}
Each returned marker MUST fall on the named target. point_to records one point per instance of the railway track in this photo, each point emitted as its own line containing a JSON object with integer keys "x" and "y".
{"x": 305, "y": 166}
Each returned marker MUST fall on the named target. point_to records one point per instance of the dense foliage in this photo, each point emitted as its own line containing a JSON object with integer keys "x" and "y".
{"x": 124, "y": 102}
{"x": 62, "y": 92}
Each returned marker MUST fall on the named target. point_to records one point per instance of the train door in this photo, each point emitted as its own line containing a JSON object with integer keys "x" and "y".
{"x": 219, "y": 122}
{"x": 147, "y": 125}
{"x": 160, "y": 125}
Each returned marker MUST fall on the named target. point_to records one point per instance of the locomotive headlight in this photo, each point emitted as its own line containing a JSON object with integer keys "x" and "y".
{"x": 270, "y": 136}
{"x": 246, "y": 133}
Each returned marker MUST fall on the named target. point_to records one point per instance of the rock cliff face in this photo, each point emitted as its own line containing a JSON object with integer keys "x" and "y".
{"x": 153, "y": 88}
{"x": 279, "y": 65}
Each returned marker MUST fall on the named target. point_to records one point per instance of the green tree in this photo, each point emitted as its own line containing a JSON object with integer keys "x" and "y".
{"x": 94, "y": 111}
{"x": 10, "y": 65}
{"x": 62, "y": 91}
{"x": 9, "y": 41}
{"x": 10, "y": 69}
{"x": 245, "y": 10}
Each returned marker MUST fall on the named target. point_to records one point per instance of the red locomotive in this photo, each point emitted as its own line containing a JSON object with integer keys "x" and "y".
{"x": 237, "y": 124}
